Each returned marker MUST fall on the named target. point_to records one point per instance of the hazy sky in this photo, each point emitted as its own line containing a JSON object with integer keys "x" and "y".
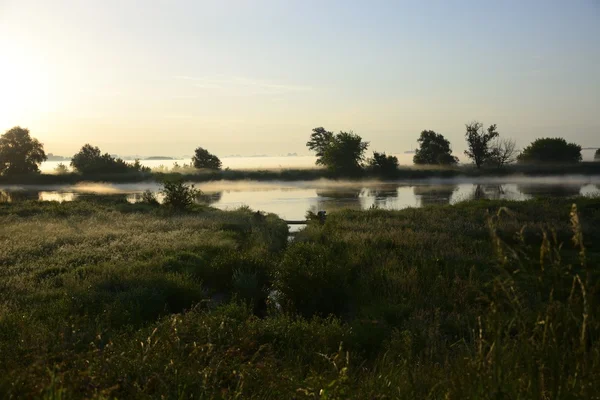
{"x": 247, "y": 77}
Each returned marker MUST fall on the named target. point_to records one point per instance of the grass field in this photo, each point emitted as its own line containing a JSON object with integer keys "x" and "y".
{"x": 482, "y": 299}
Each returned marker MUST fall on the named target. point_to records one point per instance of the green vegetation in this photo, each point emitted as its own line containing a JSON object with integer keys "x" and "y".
{"x": 177, "y": 195}
{"x": 551, "y": 150}
{"x": 478, "y": 300}
{"x": 61, "y": 169}
{"x": 434, "y": 149}
{"x": 383, "y": 165}
{"x": 20, "y": 153}
{"x": 480, "y": 142}
{"x": 341, "y": 153}
{"x": 203, "y": 159}
{"x": 90, "y": 160}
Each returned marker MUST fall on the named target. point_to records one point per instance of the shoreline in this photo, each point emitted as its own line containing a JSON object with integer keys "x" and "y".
{"x": 408, "y": 174}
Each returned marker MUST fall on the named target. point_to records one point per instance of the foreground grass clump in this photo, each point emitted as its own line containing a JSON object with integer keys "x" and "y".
{"x": 478, "y": 300}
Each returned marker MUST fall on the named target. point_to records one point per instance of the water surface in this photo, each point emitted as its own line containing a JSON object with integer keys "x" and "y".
{"x": 291, "y": 200}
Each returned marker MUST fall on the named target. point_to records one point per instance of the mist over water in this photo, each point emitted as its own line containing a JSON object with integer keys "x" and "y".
{"x": 291, "y": 200}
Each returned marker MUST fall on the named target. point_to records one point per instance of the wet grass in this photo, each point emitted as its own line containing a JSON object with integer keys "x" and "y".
{"x": 479, "y": 300}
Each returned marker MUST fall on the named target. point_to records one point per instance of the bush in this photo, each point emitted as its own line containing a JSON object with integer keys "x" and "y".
{"x": 178, "y": 195}
{"x": 90, "y": 160}
{"x": 383, "y": 164}
{"x": 551, "y": 150}
{"x": 61, "y": 169}
{"x": 148, "y": 197}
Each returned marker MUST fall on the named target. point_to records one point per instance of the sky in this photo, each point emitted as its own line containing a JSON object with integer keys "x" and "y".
{"x": 159, "y": 77}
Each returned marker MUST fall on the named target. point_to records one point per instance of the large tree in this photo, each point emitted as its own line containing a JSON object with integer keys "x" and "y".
{"x": 434, "y": 149}
{"x": 20, "y": 153}
{"x": 551, "y": 150}
{"x": 341, "y": 153}
{"x": 203, "y": 159}
{"x": 479, "y": 142}
{"x": 320, "y": 140}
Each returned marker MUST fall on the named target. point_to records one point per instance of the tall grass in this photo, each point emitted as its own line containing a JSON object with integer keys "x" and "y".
{"x": 479, "y": 300}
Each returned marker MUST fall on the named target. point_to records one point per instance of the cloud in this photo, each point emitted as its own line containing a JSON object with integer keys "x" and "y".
{"x": 242, "y": 86}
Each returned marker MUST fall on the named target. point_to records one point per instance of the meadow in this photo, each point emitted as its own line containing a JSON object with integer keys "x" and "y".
{"x": 484, "y": 299}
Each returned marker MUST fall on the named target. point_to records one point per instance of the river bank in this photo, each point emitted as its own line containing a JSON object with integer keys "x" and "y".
{"x": 306, "y": 174}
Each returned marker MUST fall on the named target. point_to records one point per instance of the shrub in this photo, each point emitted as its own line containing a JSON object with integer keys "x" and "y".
{"x": 61, "y": 169}
{"x": 148, "y": 197}
{"x": 551, "y": 150}
{"x": 178, "y": 195}
{"x": 383, "y": 164}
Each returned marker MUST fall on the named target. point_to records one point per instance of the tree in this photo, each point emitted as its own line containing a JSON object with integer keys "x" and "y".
{"x": 383, "y": 164}
{"x": 479, "y": 142}
{"x": 90, "y": 160}
{"x": 61, "y": 169}
{"x": 551, "y": 150}
{"x": 434, "y": 149}
{"x": 319, "y": 141}
{"x": 203, "y": 159}
{"x": 340, "y": 153}
{"x": 597, "y": 155}
{"x": 20, "y": 153}
{"x": 503, "y": 151}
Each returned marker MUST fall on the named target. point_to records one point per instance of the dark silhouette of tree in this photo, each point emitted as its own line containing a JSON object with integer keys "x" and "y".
{"x": 20, "y": 153}
{"x": 90, "y": 160}
{"x": 203, "y": 159}
{"x": 383, "y": 164}
{"x": 319, "y": 141}
{"x": 434, "y": 149}
{"x": 597, "y": 155}
{"x": 340, "y": 153}
{"x": 503, "y": 152}
{"x": 551, "y": 150}
{"x": 478, "y": 141}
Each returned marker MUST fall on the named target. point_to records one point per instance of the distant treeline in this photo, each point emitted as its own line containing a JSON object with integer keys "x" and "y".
{"x": 340, "y": 154}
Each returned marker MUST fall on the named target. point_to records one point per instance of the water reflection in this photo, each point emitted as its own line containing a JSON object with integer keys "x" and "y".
{"x": 291, "y": 200}
{"x": 210, "y": 197}
{"x": 541, "y": 190}
{"x": 13, "y": 196}
{"x": 434, "y": 194}
{"x": 339, "y": 198}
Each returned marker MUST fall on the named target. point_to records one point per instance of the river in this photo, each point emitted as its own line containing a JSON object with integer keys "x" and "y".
{"x": 291, "y": 200}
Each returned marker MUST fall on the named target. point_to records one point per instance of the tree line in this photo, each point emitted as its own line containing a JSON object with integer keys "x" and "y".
{"x": 340, "y": 153}
{"x": 345, "y": 151}
{"x": 22, "y": 154}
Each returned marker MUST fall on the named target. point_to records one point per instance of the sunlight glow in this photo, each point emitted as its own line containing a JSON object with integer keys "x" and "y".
{"x": 24, "y": 85}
